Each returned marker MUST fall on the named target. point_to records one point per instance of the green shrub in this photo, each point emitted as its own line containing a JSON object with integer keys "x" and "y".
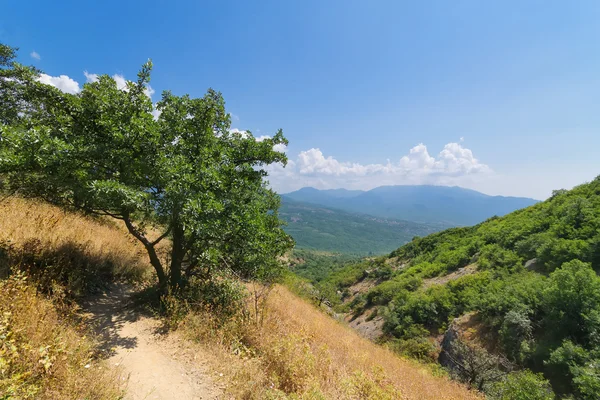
{"x": 522, "y": 385}
{"x": 493, "y": 256}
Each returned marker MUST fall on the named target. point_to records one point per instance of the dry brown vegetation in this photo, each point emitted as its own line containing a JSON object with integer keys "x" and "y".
{"x": 44, "y": 352}
{"x": 298, "y": 352}
{"x": 42, "y": 356}
{"x": 76, "y": 251}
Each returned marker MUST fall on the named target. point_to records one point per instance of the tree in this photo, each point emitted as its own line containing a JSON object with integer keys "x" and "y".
{"x": 572, "y": 301}
{"x": 474, "y": 366}
{"x": 186, "y": 172}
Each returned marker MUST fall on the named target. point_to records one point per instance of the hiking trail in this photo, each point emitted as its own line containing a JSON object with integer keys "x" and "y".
{"x": 157, "y": 366}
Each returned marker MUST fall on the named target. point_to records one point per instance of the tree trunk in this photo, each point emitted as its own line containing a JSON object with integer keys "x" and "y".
{"x": 160, "y": 271}
{"x": 154, "y": 260}
{"x": 177, "y": 254}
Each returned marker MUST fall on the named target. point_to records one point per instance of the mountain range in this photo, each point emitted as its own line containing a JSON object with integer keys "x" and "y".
{"x": 446, "y": 205}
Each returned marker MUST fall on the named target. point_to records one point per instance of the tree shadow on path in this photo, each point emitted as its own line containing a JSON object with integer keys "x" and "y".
{"x": 108, "y": 313}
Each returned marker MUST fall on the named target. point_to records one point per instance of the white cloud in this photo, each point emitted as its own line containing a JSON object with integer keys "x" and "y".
{"x": 68, "y": 85}
{"x": 35, "y": 55}
{"x": 242, "y": 133}
{"x": 454, "y": 165}
{"x": 149, "y": 91}
{"x": 156, "y": 113}
{"x": 62, "y": 82}
{"x": 282, "y": 148}
{"x": 90, "y": 78}
{"x": 121, "y": 82}
{"x": 456, "y": 160}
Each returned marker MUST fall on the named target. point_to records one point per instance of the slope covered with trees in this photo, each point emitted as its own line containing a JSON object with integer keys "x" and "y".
{"x": 529, "y": 282}
{"x": 327, "y": 229}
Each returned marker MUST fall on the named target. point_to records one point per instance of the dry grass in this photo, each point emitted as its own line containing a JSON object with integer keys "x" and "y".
{"x": 298, "y": 352}
{"x": 71, "y": 249}
{"x": 44, "y": 357}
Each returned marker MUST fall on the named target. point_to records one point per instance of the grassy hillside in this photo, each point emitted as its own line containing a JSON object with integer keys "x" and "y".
{"x": 453, "y": 206}
{"x": 55, "y": 257}
{"x": 284, "y": 349}
{"x": 299, "y": 352}
{"x": 44, "y": 356}
{"x": 319, "y": 228}
{"x": 527, "y": 282}
{"x": 53, "y": 246}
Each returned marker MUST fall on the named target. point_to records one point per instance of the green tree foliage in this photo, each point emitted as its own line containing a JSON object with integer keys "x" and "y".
{"x": 185, "y": 172}
{"x": 522, "y": 385}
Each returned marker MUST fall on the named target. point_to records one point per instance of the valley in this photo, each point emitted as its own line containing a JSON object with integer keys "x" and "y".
{"x": 320, "y": 228}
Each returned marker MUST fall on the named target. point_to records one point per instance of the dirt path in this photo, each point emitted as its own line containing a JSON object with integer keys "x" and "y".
{"x": 158, "y": 366}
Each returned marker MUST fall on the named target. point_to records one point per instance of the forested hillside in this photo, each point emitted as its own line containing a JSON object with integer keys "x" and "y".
{"x": 453, "y": 206}
{"x": 326, "y": 229}
{"x": 525, "y": 286}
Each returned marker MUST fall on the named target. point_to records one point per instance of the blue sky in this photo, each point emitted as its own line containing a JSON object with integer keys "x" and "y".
{"x": 502, "y": 97}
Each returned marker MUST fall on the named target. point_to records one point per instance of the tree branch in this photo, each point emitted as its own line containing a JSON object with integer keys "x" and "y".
{"x": 161, "y": 237}
{"x": 135, "y": 231}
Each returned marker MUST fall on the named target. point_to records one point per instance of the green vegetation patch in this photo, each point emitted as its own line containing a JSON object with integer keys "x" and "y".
{"x": 531, "y": 277}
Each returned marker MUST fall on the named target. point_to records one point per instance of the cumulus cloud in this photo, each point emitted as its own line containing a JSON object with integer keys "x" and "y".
{"x": 156, "y": 113}
{"x": 62, "y": 82}
{"x": 149, "y": 91}
{"x": 69, "y": 85}
{"x": 453, "y": 165}
{"x": 35, "y": 55}
{"x": 90, "y": 78}
{"x": 314, "y": 162}
{"x": 282, "y": 148}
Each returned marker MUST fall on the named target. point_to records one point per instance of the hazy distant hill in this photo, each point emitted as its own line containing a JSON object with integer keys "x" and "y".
{"x": 423, "y": 203}
{"x": 320, "y": 228}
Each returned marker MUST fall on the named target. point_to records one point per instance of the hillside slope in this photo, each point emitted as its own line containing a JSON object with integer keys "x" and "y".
{"x": 326, "y": 229}
{"x": 529, "y": 279}
{"x": 296, "y": 351}
{"x": 422, "y": 203}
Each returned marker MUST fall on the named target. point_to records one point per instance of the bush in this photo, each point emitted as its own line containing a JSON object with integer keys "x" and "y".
{"x": 222, "y": 296}
{"x": 420, "y": 348}
{"x": 516, "y": 334}
{"x": 474, "y": 366}
{"x": 493, "y": 256}
{"x": 522, "y": 385}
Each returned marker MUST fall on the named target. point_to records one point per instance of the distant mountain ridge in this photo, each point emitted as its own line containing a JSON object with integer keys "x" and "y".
{"x": 450, "y": 205}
